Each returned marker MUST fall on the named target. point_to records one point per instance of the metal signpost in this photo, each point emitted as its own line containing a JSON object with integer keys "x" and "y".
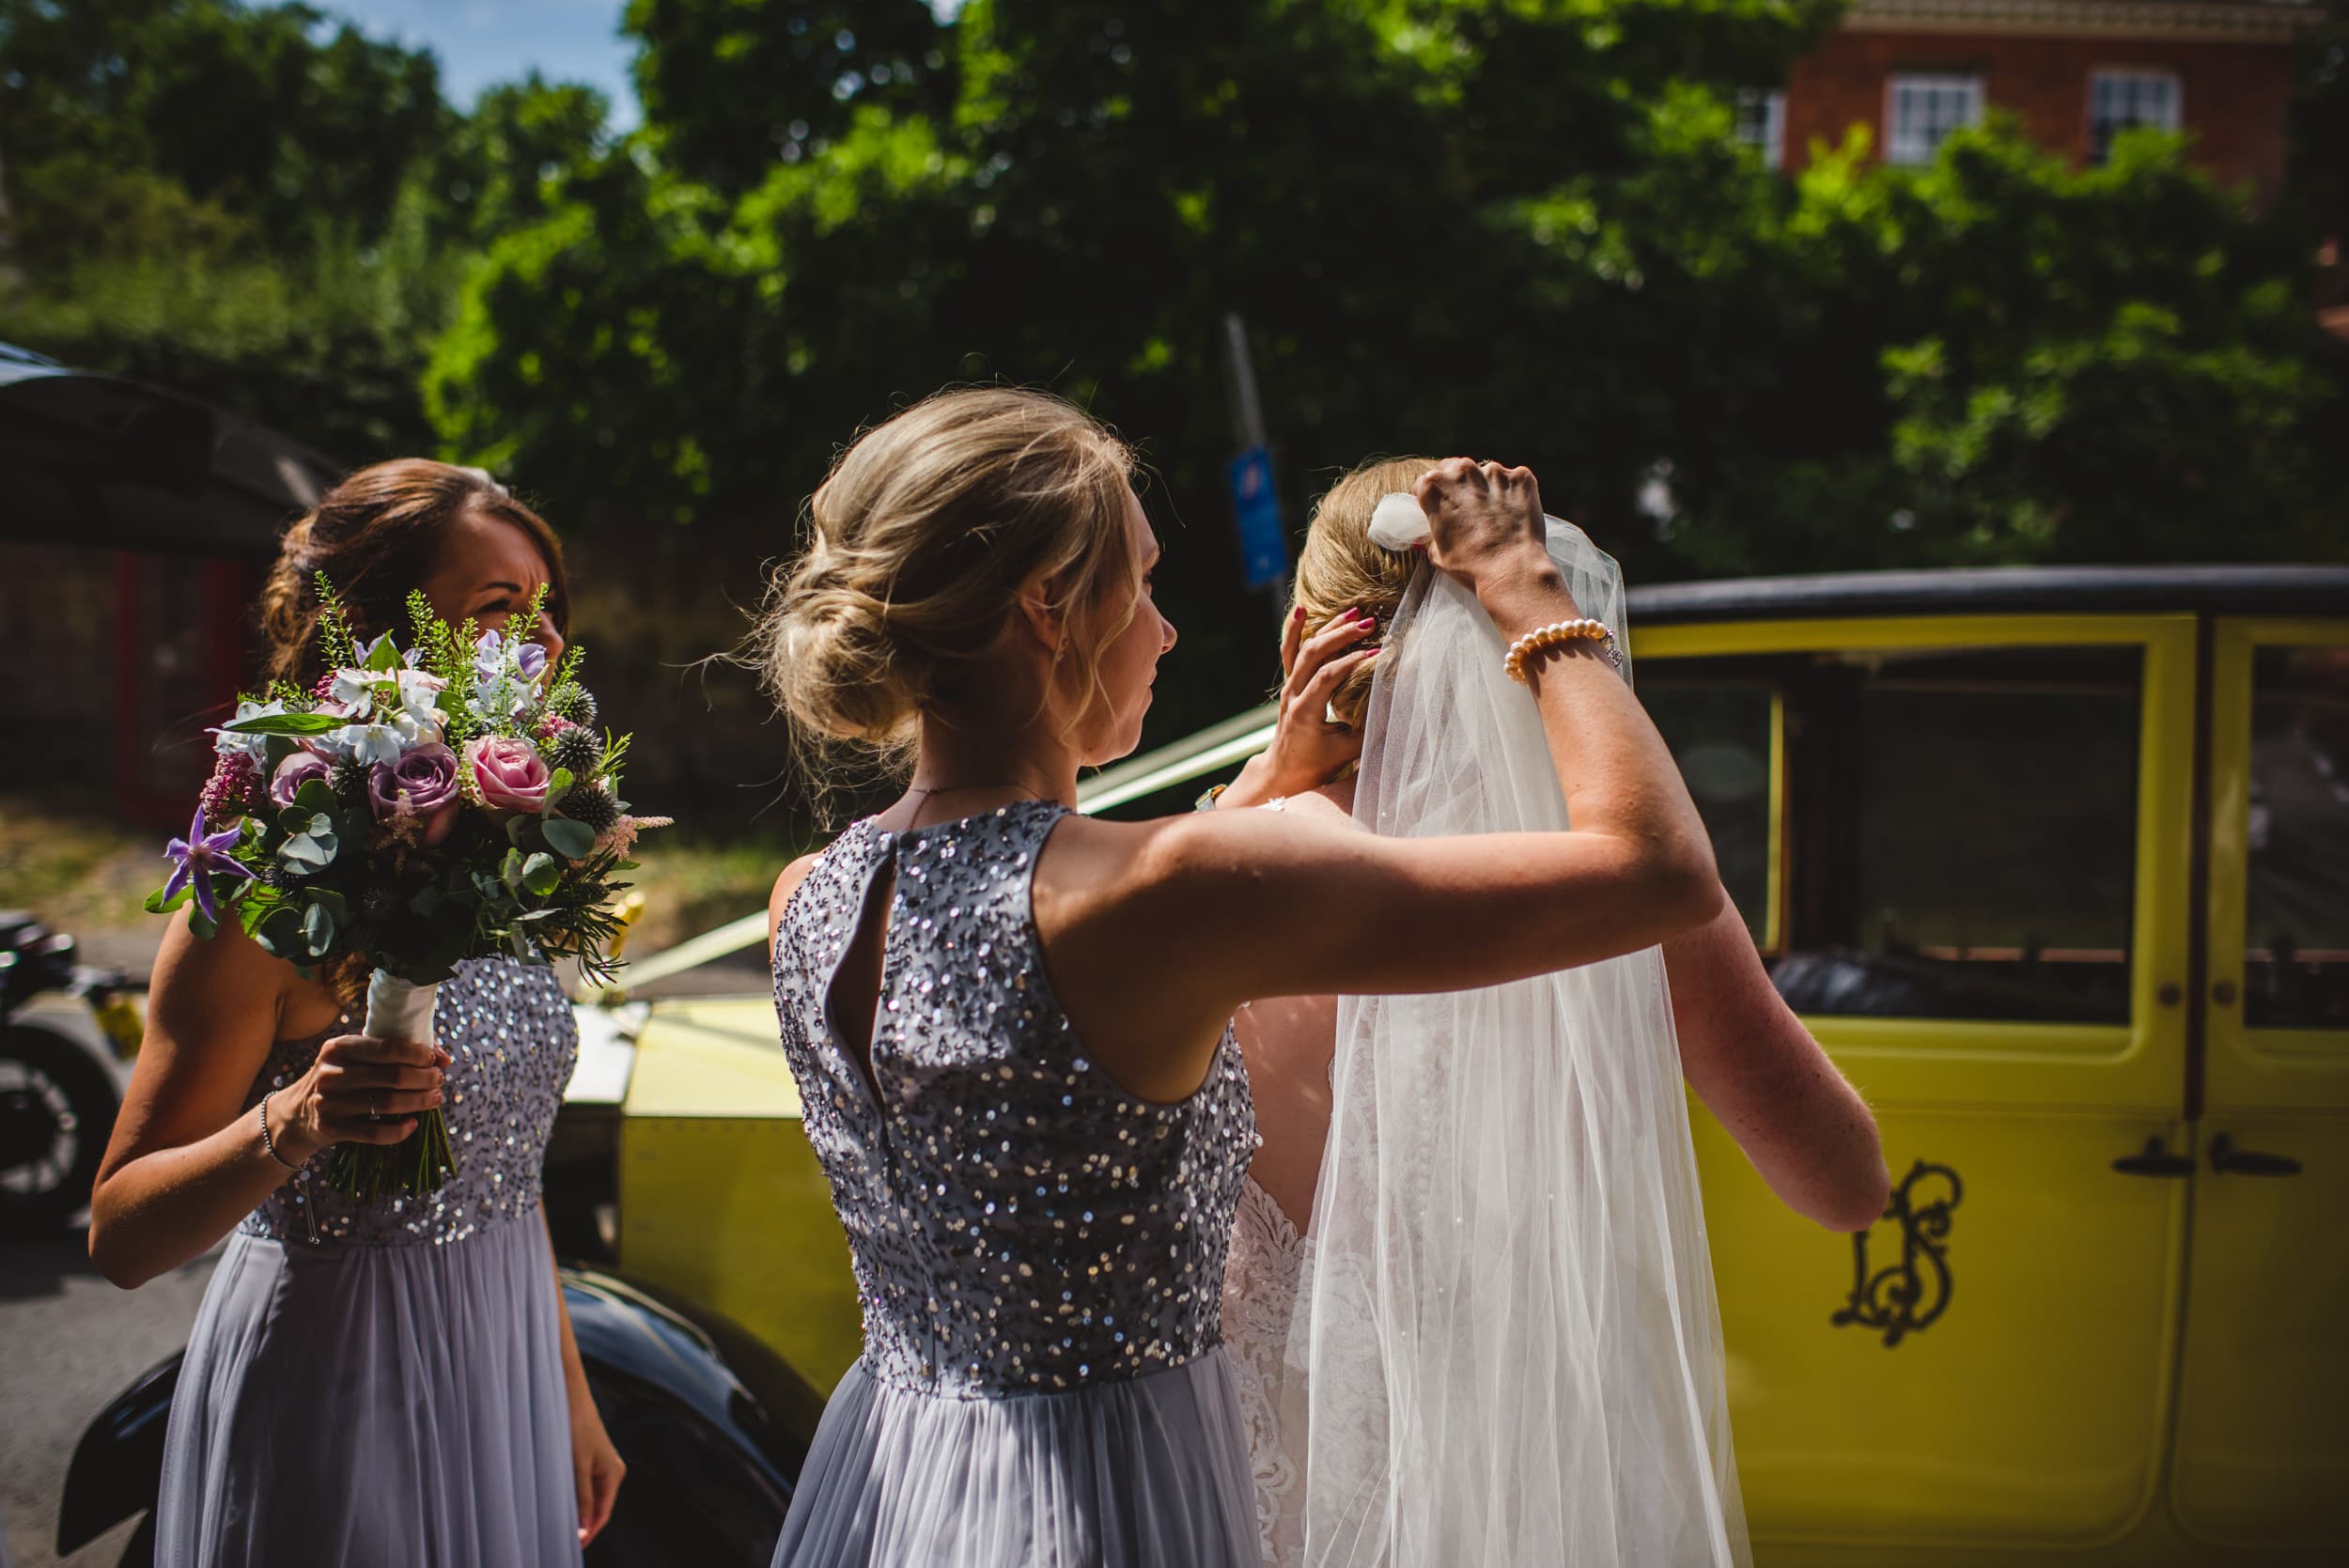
{"x": 1255, "y": 506}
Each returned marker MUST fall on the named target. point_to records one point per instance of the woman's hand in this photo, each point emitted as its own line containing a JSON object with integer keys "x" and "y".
{"x": 1307, "y": 750}
{"x": 1485, "y": 530}
{"x": 597, "y": 1466}
{"x": 360, "y": 1090}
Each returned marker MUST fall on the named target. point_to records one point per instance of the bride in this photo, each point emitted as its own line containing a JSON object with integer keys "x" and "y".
{"x": 1468, "y": 1295}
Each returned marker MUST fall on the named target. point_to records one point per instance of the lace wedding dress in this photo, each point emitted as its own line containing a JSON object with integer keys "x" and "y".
{"x": 1503, "y": 1346}
{"x": 1259, "y": 1303}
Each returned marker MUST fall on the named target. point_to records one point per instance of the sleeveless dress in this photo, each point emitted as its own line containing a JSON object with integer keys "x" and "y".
{"x": 1039, "y": 1254}
{"x": 381, "y": 1386}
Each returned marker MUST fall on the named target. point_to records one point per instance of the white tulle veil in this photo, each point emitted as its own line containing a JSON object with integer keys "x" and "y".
{"x": 1507, "y": 1332}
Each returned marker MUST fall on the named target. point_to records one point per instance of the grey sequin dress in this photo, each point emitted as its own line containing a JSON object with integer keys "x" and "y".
{"x": 1038, "y": 1253}
{"x": 383, "y": 1385}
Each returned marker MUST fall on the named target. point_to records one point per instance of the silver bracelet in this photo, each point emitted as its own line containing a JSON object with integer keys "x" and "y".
{"x": 267, "y": 1142}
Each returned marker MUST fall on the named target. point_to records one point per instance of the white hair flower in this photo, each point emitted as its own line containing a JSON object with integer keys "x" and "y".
{"x": 1399, "y": 523}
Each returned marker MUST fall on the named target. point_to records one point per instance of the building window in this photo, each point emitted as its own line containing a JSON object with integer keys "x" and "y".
{"x": 1922, "y": 110}
{"x": 1762, "y": 125}
{"x": 2121, "y": 101}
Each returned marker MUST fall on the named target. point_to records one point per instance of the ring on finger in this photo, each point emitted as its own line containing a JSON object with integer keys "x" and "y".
{"x": 375, "y": 1106}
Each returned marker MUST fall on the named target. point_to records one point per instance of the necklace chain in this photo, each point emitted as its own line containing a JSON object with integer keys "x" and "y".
{"x": 921, "y": 798}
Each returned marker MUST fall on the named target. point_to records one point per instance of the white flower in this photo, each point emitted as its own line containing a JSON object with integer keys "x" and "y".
{"x": 254, "y": 746}
{"x": 416, "y": 728}
{"x": 1399, "y": 523}
{"x": 369, "y": 743}
{"x": 355, "y": 691}
{"x": 420, "y": 695}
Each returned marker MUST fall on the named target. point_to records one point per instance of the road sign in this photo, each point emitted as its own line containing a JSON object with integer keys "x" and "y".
{"x": 1264, "y": 547}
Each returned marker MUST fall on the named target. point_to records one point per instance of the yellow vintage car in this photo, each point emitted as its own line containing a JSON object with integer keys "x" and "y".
{"x": 2056, "y": 863}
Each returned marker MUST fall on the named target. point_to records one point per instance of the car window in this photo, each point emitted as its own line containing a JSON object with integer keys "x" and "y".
{"x": 1959, "y": 824}
{"x": 1723, "y": 733}
{"x": 2295, "y": 932}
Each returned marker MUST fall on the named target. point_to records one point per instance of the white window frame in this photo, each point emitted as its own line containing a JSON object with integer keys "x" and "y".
{"x": 1771, "y": 144}
{"x": 2135, "y": 75}
{"x": 1911, "y": 149}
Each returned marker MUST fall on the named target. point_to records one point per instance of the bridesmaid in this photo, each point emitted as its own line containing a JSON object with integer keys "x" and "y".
{"x": 392, "y": 1384}
{"x": 1011, "y": 1025}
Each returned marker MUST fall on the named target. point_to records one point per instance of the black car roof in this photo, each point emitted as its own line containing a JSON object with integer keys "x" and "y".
{"x": 2264, "y": 590}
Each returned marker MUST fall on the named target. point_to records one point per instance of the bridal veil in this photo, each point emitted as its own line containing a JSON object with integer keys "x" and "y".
{"x": 1508, "y": 1336}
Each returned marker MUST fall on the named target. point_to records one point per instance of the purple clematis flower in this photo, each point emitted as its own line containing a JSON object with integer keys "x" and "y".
{"x": 199, "y": 857}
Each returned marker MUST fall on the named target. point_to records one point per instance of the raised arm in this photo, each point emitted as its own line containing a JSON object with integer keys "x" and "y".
{"x": 1765, "y": 1078}
{"x": 1159, "y": 930}
{"x": 187, "y": 1160}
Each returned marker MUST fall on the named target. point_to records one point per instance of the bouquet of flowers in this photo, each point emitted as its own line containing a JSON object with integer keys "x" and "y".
{"x": 425, "y": 805}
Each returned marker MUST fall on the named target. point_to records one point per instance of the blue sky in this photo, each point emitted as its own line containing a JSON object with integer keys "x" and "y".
{"x": 480, "y": 42}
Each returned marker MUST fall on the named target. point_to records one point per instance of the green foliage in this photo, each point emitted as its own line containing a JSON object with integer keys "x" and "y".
{"x": 1520, "y": 227}
{"x": 257, "y": 205}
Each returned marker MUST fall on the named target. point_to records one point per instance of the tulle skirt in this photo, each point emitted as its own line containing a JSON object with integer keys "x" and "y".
{"x": 373, "y": 1407}
{"x": 1148, "y": 1473}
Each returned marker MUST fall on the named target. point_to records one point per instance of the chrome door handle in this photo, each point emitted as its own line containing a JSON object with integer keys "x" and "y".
{"x": 2154, "y": 1160}
{"x": 2227, "y": 1158}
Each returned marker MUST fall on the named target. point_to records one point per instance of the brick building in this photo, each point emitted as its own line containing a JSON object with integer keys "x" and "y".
{"x": 2074, "y": 71}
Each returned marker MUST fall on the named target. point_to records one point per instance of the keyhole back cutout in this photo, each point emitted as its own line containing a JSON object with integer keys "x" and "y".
{"x": 852, "y": 996}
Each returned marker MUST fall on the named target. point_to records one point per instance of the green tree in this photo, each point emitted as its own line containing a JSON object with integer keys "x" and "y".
{"x": 258, "y": 206}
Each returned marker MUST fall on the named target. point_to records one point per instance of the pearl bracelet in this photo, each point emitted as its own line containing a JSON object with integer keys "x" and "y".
{"x": 1559, "y": 634}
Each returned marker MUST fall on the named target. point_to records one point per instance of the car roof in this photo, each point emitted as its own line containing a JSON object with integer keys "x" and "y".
{"x": 2265, "y": 590}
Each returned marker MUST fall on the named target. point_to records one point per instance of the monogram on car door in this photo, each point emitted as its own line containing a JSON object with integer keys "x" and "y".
{"x": 1963, "y": 844}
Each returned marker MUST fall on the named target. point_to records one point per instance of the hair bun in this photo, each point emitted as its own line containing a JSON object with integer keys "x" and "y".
{"x": 850, "y": 679}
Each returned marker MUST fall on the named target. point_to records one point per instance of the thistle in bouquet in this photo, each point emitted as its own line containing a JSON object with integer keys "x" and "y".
{"x": 421, "y": 806}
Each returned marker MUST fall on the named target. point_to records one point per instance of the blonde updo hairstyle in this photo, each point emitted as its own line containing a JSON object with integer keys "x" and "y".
{"x": 1340, "y": 570}
{"x": 920, "y": 542}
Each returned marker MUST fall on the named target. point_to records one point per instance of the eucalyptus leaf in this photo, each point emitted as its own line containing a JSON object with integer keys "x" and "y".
{"x": 542, "y": 874}
{"x": 558, "y": 784}
{"x": 314, "y": 849}
{"x": 317, "y": 796}
{"x": 573, "y": 840}
{"x": 201, "y": 926}
{"x": 317, "y": 930}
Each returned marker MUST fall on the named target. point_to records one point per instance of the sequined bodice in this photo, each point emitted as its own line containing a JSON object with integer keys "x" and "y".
{"x": 510, "y": 1031}
{"x": 1018, "y": 1223}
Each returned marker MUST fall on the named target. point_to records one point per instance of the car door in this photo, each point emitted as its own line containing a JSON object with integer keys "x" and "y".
{"x": 1963, "y": 844}
{"x": 2263, "y": 1445}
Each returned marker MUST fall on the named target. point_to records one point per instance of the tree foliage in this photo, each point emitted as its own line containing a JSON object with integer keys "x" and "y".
{"x": 1514, "y": 226}
{"x": 257, "y": 204}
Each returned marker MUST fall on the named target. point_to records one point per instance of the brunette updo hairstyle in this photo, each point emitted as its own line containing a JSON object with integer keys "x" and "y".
{"x": 378, "y": 536}
{"x": 1340, "y": 568}
{"x": 919, "y": 543}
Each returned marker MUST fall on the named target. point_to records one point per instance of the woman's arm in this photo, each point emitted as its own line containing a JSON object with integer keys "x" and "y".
{"x": 1157, "y": 931}
{"x": 187, "y": 1160}
{"x": 597, "y": 1468}
{"x": 1761, "y": 1074}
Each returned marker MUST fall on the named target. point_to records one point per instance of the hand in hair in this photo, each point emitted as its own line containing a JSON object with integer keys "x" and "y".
{"x": 1307, "y": 750}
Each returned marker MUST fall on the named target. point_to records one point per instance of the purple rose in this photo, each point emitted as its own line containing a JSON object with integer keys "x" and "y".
{"x": 508, "y": 775}
{"x": 292, "y": 773}
{"x": 422, "y": 784}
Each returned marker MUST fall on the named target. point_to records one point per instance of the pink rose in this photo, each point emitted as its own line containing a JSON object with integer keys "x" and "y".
{"x": 421, "y": 785}
{"x": 507, "y": 775}
{"x": 292, "y": 773}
